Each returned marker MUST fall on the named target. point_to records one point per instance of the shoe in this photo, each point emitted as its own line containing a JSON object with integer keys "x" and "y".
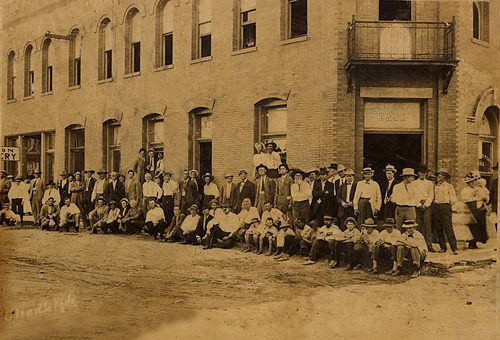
{"x": 277, "y": 252}
{"x": 285, "y": 257}
{"x": 397, "y": 272}
{"x": 349, "y": 267}
{"x": 390, "y": 272}
{"x": 277, "y": 255}
{"x": 374, "y": 270}
{"x": 206, "y": 247}
{"x": 77, "y": 229}
{"x": 432, "y": 250}
{"x": 442, "y": 251}
{"x": 333, "y": 264}
{"x": 247, "y": 250}
{"x": 415, "y": 274}
{"x": 358, "y": 266}
{"x": 269, "y": 253}
{"x": 309, "y": 262}
{"x": 455, "y": 252}
{"x": 260, "y": 252}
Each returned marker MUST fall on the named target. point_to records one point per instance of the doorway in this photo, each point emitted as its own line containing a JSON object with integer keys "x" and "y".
{"x": 400, "y": 150}
{"x": 205, "y": 159}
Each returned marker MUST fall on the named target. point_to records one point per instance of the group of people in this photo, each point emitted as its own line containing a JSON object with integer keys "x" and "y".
{"x": 325, "y": 212}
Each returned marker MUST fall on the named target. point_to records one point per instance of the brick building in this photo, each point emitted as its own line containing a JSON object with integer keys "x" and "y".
{"x": 85, "y": 84}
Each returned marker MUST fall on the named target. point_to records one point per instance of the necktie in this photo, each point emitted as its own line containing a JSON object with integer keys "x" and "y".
{"x": 241, "y": 186}
{"x": 406, "y": 187}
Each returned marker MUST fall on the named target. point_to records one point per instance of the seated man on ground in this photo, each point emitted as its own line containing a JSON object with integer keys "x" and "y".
{"x": 324, "y": 241}
{"x": 49, "y": 215}
{"x": 98, "y": 216}
{"x": 286, "y": 240}
{"x": 188, "y": 231}
{"x": 386, "y": 246}
{"x": 8, "y": 216}
{"x": 307, "y": 236}
{"x": 113, "y": 217}
{"x": 366, "y": 243}
{"x": 266, "y": 231}
{"x": 173, "y": 230}
{"x": 223, "y": 231}
{"x": 69, "y": 216}
{"x": 246, "y": 215}
{"x": 411, "y": 244}
{"x": 155, "y": 220}
{"x": 133, "y": 220}
{"x": 345, "y": 242}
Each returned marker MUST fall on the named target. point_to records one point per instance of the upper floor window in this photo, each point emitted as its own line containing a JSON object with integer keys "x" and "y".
{"x": 293, "y": 19}
{"x": 75, "y": 59}
{"x": 394, "y": 10}
{"x": 112, "y": 141}
{"x": 132, "y": 41}
{"x": 248, "y": 26}
{"x": 204, "y": 29}
{"x": 47, "y": 69}
{"x": 271, "y": 122}
{"x": 165, "y": 33}
{"x": 105, "y": 57}
{"x": 75, "y": 148}
{"x": 481, "y": 20}
{"x": 29, "y": 73}
{"x": 10, "y": 76}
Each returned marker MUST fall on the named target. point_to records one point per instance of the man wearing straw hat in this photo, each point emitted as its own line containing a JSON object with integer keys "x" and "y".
{"x": 228, "y": 191}
{"x": 283, "y": 196}
{"x": 423, "y": 209}
{"x": 100, "y": 186}
{"x": 367, "y": 198}
{"x": 406, "y": 197}
{"x": 444, "y": 198}
{"x": 387, "y": 187}
{"x": 245, "y": 190}
{"x": 411, "y": 243}
{"x": 301, "y": 195}
{"x": 37, "y": 190}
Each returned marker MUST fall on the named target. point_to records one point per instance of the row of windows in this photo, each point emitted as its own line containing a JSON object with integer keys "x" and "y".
{"x": 37, "y": 150}
{"x": 246, "y": 37}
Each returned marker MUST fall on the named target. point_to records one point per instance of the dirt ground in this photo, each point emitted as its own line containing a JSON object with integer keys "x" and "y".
{"x": 66, "y": 285}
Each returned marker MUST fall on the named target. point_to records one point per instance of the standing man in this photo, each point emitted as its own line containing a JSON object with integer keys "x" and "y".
{"x": 283, "y": 196}
{"x": 345, "y": 197}
{"x": 301, "y": 197}
{"x": 228, "y": 192}
{"x": 388, "y": 208}
{"x": 265, "y": 188}
{"x": 18, "y": 194}
{"x": 37, "y": 190}
{"x": 341, "y": 169}
{"x": 4, "y": 186}
{"x": 89, "y": 188}
{"x": 140, "y": 165}
{"x": 246, "y": 189}
{"x": 273, "y": 159}
{"x": 367, "y": 198}
{"x": 151, "y": 192}
{"x": 407, "y": 197}
{"x": 444, "y": 198}
{"x": 170, "y": 190}
{"x": 133, "y": 187}
{"x": 63, "y": 186}
{"x": 323, "y": 196}
{"x": 51, "y": 192}
{"x": 101, "y": 186}
{"x": 182, "y": 191}
{"x": 116, "y": 188}
{"x": 151, "y": 160}
{"x": 424, "y": 211}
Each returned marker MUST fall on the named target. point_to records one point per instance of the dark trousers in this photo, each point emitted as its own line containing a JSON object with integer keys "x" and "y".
{"x": 216, "y": 238}
{"x": 321, "y": 247}
{"x": 365, "y": 210}
{"x": 46, "y": 223}
{"x": 301, "y": 210}
{"x": 113, "y": 226}
{"x": 424, "y": 221}
{"x": 381, "y": 251}
{"x": 305, "y": 247}
{"x": 478, "y": 229}
{"x": 389, "y": 210}
{"x": 352, "y": 255}
{"x": 441, "y": 218}
{"x": 291, "y": 244}
{"x": 414, "y": 254}
{"x": 4, "y": 220}
{"x": 132, "y": 227}
{"x": 17, "y": 207}
{"x": 168, "y": 208}
{"x": 154, "y": 230}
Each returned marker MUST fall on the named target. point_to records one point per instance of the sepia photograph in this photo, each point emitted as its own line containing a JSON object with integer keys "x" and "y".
{"x": 249, "y": 169}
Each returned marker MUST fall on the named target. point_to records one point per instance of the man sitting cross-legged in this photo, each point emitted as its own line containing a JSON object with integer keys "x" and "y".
{"x": 324, "y": 242}
{"x": 366, "y": 243}
{"x": 386, "y": 246}
{"x": 345, "y": 242}
{"x": 412, "y": 244}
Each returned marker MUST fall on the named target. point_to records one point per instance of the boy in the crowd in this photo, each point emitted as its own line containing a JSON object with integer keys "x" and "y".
{"x": 285, "y": 240}
{"x": 366, "y": 243}
{"x": 252, "y": 235}
{"x": 246, "y": 215}
{"x": 345, "y": 241}
{"x": 265, "y": 229}
{"x": 324, "y": 240}
{"x": 386, "y": 246}
{"x": 412, "y": 243}
{"x": 49, "y": 215}
{"x": 8, "y": 216}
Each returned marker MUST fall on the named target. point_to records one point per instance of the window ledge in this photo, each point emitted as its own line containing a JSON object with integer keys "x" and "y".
{"x": 29, "y": 97}
{"x": 201, "y": 60}
{"x": 295, "y": 40}
{"x": 480, "y": 42}
{"x": 71, "y": 88}
{"x": 164, "y": 67}
{"x": 10, "y": 101}
{"x": 244, "y": 50}
{"x": 43, "y": 94}
{"x": 131, "y": 75}
{"x": 107, "y": 80}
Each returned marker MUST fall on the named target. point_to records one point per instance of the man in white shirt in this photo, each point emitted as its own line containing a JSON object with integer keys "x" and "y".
{"x": 155, "y": 218}
{"x": 387, "y": 245}
{"x": 324, "y": 240}
{"x": 7, "y": 216}
{"x": 18, "y": 195}
{"x": 150, "y": 191}
{"x": 101, "y": 186}
{"x": 367, "y": 198}
{"x": 407, "y": 197}
{"x": 69, "y": 215}
{"x": 51, "y": 191}
{"x": 189, "y": 227}
{"x": 223, "y": 230}
{"x": 424, "y": 212}
{"x": 301, "y": 193}
{"x": 170, "y": 191}
{"x": 412, "y": 244}
{"x": 444, "y": 198}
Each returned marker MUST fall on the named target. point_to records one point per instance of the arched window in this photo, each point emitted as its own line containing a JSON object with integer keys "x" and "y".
{"x": 29, "y": 73}
{"x": 47, "y": 69}
{"x": 481, "y": 20}
{"x": 488, "y": 140}
{"x": 203, "y": 40}
{"x": 153, "y": 132}
{"x": 164, "y": 47}
{"x": 111, "y": 141}
{"x": 75, "y": 148}
{"x": 105, "y": 50}
{"x": 132, "y": 41}
{"x": 271, "y": 123}
{"x": 75, "y": 59}
{"x": 10, "y": 75}
{"x": 200, "y": 148}
{"x": 475, "y": 20}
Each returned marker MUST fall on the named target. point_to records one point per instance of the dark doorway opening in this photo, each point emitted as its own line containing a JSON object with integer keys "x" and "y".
{"x": 394, "y": 10}
{"x": 205, "y": 157}
{"x": 400, "y": 150}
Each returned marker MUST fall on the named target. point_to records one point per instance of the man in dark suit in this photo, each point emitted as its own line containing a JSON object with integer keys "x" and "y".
{"x": 201, "y": 229}
{"x": 89, "y": 188}
{"x": 345, "y": 197}
{"x": 283, "y": 195}
{"x": 386, "y": 187}
{"x": 323, "y": 196}
{"x": 228, "y": 191}
{"x": 116, "y": 188}
{"x": 151, "y": 160}
{"x": 139, "y": 166}
{"x": 245, "y": 189}
{"x": 63, "y": 186}
{"x": 265, "y": 188}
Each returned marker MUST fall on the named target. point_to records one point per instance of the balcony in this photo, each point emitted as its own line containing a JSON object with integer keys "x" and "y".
{"x": 402, "y": 43}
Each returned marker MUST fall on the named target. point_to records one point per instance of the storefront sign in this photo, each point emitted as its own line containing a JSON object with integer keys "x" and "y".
{"x": 392, "y": 115}
{"x": 8, "y": 153}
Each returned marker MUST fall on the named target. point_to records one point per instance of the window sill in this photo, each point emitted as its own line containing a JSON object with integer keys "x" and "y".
{"x": 43, "y": 94}
{"x": 71, "y": 88}
{"x": 10, "y": 101}
{"x": 29, "y": 97}
{"x": 107, "y": 80}
{"x": 132, "y": 75}
{"x": 245, "y": 50}
{"x": 294, "y": 40}
{"x": 163, "y": 68}
{"x": 201, "y": 60}
{"x": 480, "y": 42}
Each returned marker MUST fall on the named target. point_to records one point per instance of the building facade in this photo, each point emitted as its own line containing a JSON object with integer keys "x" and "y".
{"x": 85, "y": 84}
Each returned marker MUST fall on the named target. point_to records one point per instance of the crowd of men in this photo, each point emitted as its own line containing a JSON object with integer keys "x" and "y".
{"x": 326, "y": 212}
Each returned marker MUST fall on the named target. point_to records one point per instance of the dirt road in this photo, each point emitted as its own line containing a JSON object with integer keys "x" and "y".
{"x": 65, "y": 285}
